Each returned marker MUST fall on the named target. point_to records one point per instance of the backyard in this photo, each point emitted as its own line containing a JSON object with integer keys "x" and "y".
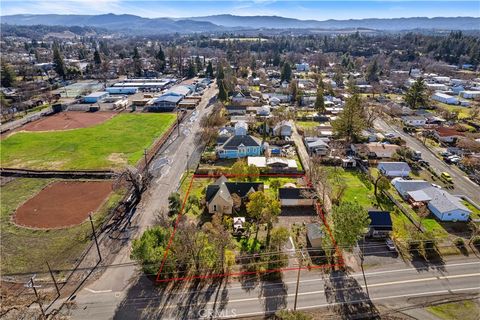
{"x": 112, "y": 144}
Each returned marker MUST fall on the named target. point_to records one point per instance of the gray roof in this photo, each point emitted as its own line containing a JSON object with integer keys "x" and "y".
{"x": 444, "y": 201}
{"x": 394, "y": 166}
{"x": 403, "y": 186}
{"x": 314, "y": 231}
{"x": 235, "y": 141}
{"x": 168, "y": 98}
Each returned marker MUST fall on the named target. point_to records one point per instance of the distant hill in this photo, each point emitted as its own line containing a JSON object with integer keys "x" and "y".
{"x": 275, "y": 22}
{"x": 226, "y": 22}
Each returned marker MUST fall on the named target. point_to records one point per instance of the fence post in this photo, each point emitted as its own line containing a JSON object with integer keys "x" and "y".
{"x": 53, "y": 278}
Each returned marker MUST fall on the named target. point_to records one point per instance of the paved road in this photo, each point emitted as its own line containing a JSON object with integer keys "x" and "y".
{"x": 393, "y": 286}
{"x": 462, "y": 184}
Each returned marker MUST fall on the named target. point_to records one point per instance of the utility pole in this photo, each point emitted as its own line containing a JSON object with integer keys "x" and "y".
{"x": 53, "y": 278}
{"x": 361, "y": 265}
{"x": 187, "y": 162}
{"x": 146, "y": 161}
{"x": 44, "y": 316}
{"x": 298, "y": 283}
{"x": 95, "y": 237}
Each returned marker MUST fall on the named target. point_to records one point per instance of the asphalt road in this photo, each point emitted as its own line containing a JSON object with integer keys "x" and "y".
{"x": 394, "y": 286}
{"x": 462, "y": 184}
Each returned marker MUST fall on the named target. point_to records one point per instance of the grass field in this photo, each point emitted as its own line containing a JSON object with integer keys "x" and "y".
{"x": 307, "y": 124}
{"x": 358, "y": 188}
{"x": 112, "y": 144}
{"x": 26, "y": 250}
{"x": 465, "y": 310}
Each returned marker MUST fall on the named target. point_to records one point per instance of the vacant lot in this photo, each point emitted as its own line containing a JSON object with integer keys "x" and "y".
{"x": 63, "y": 204}
{"x": 357, "y": 186}
{"x": 25, "y": 250}
{"x": 112, "y": 144}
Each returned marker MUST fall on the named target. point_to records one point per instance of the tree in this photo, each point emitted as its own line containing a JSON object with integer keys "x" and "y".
{"x": 264, "y": 209}
{"x": 174, "y": 203}
{"x": 350, "y": 222}
{"x": 350, "y": 121}
{"x": 319, "y": 101}
{"x": 292, "y": 315}
{"x": 220, "y": 73}
{"x": 191, "y": 72}
{"x": 222, "y": 91}
{"x": 160, "y": 57}
{"x": 252, "y": 172}
{"x": 417, "y": 96}
{"x": 278, "y": 237}
{"x": 239, "y": 170}
{"x": 381, "y": 184}
{"x": 255, "y": 207}
{"x": 8, "y": 76}
{"x": 58, "y": 61}
{"x": 96, "y": 58}
{"x": 209, "y": 72}
{"x": 286, "y": 74}
{"x": 372, "y": 72}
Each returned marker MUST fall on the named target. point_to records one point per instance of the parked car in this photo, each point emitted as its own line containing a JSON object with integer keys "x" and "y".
{"x": 391, "y": 245}
{"x": 446, "y": 176}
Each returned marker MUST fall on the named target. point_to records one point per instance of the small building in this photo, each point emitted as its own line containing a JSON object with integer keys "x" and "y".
{"x": 283, "y": 129}
{"x": 296, "y": 197}
{"x": 415, "y": 121}
{"x": 380, "y": 224}
{"x": 470, "y": 94}
{"x": 317, "y": 146}
{"x": 403, "y": 186}
{"x": 122, "y": 90}
{"x": 394, "y": 169}
{"x": 445, "y": 206}
{"x": 444, "y": 98}
{"x": 447, "y": 135}
{"x": 314, "y": 235}
{"x": 166, "y": 102}
{"x": 302, "y": 67}
{"x": 375, "y": 150}
{"x": 241, "y": 128}
{"x": 95, "y": 97}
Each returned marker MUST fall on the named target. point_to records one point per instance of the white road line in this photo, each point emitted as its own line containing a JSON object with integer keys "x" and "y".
{"x": 98, "y": 291}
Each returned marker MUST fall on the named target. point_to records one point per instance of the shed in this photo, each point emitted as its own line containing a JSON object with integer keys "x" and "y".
{"x": 314, "y": 235}
{"x": 380, "y": 224}
{"x": 394, "y": 169}
{"x": 95, "y": 97}
{"x": 296, "y": 197}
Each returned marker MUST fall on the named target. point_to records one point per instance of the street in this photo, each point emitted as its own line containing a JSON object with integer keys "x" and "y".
{"x": 392, "y": 285}
{"x": 462, "y": 184}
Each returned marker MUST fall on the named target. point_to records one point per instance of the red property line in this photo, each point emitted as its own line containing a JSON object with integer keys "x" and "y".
{"x": 210, "y": 276}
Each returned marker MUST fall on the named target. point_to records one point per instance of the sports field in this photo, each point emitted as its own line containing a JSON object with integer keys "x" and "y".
{"x": 111, "y": 144}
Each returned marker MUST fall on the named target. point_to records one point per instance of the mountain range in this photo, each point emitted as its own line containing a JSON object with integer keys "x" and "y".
{"x": 226, "y": 22}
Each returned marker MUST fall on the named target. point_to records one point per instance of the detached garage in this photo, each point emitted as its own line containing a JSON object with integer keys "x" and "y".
{"x": 296, "y": 197}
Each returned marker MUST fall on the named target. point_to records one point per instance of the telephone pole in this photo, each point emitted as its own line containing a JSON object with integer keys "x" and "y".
{"x": 95, "y": 237}
{"x": 298, "y": 283}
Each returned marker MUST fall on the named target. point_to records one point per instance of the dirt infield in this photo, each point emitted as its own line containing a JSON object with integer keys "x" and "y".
{"x": 63, "y": 204}
{"x": 68, "y": 120}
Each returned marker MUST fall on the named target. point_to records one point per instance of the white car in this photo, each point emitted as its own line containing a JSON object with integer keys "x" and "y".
{"x": 390, "y": 245}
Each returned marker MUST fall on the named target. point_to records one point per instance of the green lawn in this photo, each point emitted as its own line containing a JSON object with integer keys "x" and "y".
{"x": 25, "y": 250}
{"x": 358, "y": 188}
{"x": 475, "y": 212}
{"x": 463, "y": 111}
{"x": 307, "y": 124}
{"x": 465, "y": 310}
{"x": 112, "y": 144}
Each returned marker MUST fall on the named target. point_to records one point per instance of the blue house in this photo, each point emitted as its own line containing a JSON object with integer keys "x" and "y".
{"x": 240, "y": 146}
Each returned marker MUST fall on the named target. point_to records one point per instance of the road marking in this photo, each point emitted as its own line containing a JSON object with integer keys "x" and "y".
{"x": 98, "y": 291}
{"x": 357, "y": 301}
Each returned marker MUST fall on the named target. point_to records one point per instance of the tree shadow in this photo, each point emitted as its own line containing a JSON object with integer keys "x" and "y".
{"x": 349, "y": 299}
{"x": 182, "y": 300}
{"x": 274, "y": 292}
{"x": 426, "y": 259}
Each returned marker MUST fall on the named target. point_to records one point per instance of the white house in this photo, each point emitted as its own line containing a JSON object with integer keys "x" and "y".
{"x": 394, "y": 169}
{"x": 283, "y": 129}
{"x": 416, "y": 121}
{"x": 445, "y": 206}
{"x": 445, "y": 98}
{"x": 241, "y": 128}
{"x": 436, "y": 86}
{"x": 470, "y": 94}
{"x": 302, "y": 67}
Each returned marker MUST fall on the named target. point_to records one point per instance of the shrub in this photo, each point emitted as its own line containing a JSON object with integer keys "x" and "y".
{"x": 459, "y": 242}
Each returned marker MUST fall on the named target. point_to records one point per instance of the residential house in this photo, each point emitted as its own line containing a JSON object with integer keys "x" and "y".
{"x": 218, "y": 195}
{"x": 263, "y": 111}
{"x": 394, "y": 169}
{"x": 243, "y": 99}
{"x": 283, "y": 129}
{"x": 447, "y": 135}
{"x": 302, "y": 67}
{"x": 241, "y": 128}
{"x": 446, "y": 207}
{"x": 236, "y": 110}
{"x": 403, "y": 186}
{"x": 274, "y": 163}
{"x": 317, "y": 146}
{"x": 380, "y": 224}
{"x": 470, "y": 94}
{"x": 296, "y": 197}
{"x": 240, "y": 146}
{"x": 415, "y": 121}
{"x": 375, "y": 150}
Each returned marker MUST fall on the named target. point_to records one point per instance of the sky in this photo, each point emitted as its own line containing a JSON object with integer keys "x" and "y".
{"x": 318, "y": 10}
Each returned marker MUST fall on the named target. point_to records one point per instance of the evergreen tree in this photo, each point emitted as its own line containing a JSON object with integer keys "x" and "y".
{"x": 286, "y": 74}
{"x": 191, "y": 72}
{"x": 417, "y": 96}
{"x": 8, "y": 76}
{"x": 160, "y": 57}
{"x": 222, "y": 91}
{"x": 220, "y": 73}
{"x": 136, "y": 54}
{"x": 209, "y": 72}
{"x": 350, "y": 222}
{"x": 319, "y": 102}
{"x": 372, "y": 72}
{"x": 96, "y": 58}
{"x": 350, "y": 122}
{"x": 58, "y": 61}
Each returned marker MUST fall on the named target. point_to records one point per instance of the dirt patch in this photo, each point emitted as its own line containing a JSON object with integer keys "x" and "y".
{"x": 68, "y": 120}
{"x": 63, "y": 204}
{"x": 117, "y": 158}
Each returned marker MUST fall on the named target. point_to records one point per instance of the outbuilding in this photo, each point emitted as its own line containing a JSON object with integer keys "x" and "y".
{"x": 95, "y": 97}
{"x": 394, "y": 169}
{"x": 296, "y": 197}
